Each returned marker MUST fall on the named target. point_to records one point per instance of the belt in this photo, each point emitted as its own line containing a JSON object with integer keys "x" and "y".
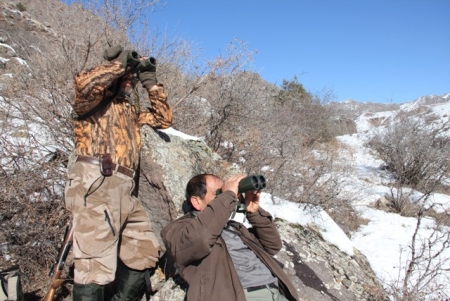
{"x": 260, "y": 287}
{"x": 119, "y": 168}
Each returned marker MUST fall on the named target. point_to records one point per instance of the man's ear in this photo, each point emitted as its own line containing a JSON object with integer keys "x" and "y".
{"x": 196, "y": 203}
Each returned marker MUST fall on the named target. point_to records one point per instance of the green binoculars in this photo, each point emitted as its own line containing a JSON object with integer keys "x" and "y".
{"x": 148, "y": 64}
{"x": 253, "y": 182}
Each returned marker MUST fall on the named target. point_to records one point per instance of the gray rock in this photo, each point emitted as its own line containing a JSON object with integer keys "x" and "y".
{"x": 320, "y": 271}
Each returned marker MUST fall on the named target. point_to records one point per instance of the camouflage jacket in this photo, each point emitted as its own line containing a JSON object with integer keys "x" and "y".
{"x": 108, "y": 121}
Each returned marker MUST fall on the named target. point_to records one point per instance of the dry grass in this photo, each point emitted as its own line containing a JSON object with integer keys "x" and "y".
{"x": 347, "y": 218}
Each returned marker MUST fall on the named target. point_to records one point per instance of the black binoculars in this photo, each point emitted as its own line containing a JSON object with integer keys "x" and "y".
{"x": 253, "y": 182}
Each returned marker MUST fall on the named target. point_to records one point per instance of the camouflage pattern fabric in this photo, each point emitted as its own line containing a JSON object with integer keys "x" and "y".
{"x": 108, "y": 222}
{"x": 113, "y": 127}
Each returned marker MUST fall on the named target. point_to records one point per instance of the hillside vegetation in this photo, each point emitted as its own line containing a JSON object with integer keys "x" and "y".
{"x": 285, "y": 132}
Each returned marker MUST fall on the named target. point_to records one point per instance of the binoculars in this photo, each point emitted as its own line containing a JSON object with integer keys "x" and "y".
{"x": 253, "y": 182}
{"x": 149, "y": 64}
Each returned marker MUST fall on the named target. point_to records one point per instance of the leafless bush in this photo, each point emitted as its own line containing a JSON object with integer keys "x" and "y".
{"x": 214, "y": 96}
{"x": 400, "y": 201}
{"x": 233, "y": 118}
{"x": 416, "y": 153}
{"x": 424, "y": 275}
{"x": 31, "y": 208}
{"x": 296, "y": 147}
{"x": 313, "y": 118}
{"x": 123, "y": 16}
{"x": 312, "y": 176}
{"x": 346, "y": 217}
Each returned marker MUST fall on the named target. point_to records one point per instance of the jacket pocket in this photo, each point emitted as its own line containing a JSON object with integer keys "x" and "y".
{"x": 69, "y": 193}
{"x": 96, "y": 232}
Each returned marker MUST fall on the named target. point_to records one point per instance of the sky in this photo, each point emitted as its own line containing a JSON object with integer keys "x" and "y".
{"x": 386, "y": 238}
{"x": 390, "y": 51}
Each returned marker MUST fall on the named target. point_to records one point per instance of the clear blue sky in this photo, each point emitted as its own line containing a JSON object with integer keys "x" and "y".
{"x": 365, "y": 50}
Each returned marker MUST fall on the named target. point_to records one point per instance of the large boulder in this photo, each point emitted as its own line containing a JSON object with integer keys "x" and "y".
{"x": 320, "y": 271}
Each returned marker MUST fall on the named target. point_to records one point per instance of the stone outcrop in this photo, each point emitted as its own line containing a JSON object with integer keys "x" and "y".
{"x": 319, "y": 270}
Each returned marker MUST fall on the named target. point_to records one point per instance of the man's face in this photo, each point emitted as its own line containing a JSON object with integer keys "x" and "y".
{"x": 212, "y": 185}
{"x": 127, "y": 84}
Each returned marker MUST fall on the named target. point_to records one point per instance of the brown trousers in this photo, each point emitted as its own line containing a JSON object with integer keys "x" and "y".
{"x": 108, "y": 222}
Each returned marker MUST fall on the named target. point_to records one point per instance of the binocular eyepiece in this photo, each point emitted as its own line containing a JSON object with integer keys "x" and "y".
{"x": 253, "y": 182}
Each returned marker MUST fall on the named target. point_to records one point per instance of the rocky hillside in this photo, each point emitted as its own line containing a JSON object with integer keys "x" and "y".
{"x": 352, "y": 109}
{"x": 35, "y": 139}
{"x": 319, "y": 270}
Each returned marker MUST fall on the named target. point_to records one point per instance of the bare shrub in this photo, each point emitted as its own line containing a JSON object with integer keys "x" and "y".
{"x": 424, "y": 275}
{"x": 313, "y": 118}
{"x": 312, "y": 176}
{"x": 283, "y": 133}
{"x": 400, "y": 201}
{"x": 346, "y": 217}
{"x": 32, "y": 213}
{"x": 215, "y": 97}
{"x": 417, "y": 154}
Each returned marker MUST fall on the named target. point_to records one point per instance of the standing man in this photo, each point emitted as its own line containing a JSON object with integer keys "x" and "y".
{"x": 219, "y": 258}
{"x": 109, "y": 221}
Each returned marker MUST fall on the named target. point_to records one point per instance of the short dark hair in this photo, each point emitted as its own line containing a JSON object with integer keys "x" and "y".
{"x": 196, "y": 187}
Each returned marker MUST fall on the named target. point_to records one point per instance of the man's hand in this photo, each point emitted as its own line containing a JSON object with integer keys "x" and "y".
{"x": 252, "y": 200}
{"x": 147, "y": 71}
{"x": 146, "y": 64}
{"x": 147, "y": 78}
{"x": 232, "y": 183}
{"x": 129, "y": 59}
